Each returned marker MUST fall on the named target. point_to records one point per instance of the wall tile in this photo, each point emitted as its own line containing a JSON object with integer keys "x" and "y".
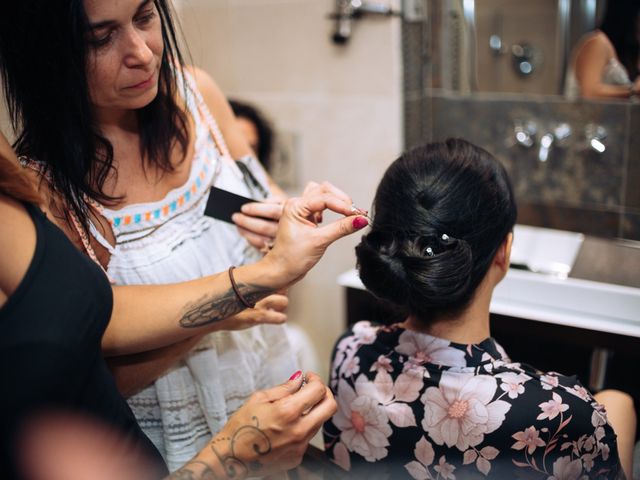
{"x": 600, "y": 223}
{"x": 630, "y": 225}
{"x": 572, "y": 175}
{"x": 632, "y": 186}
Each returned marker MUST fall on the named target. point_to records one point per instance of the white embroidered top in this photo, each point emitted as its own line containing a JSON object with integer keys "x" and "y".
{"x": 172, "y": 241}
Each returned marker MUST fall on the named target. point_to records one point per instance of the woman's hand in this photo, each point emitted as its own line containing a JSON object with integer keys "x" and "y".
{"x": 268, "y": 434}
{"x": 269, "y": 310}
{"x": 300, "y": 241}
{"x": 258, "y": 221}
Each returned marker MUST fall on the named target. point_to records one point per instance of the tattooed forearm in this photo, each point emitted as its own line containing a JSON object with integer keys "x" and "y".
{"x": 245, "y": 436}
{"x": 250, "y": 438}
{"x": 213, "y": 308}
{"x": 194, "y": 470}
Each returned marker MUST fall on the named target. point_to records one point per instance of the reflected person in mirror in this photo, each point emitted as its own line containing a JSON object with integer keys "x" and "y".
{"x": 605, "y": 61}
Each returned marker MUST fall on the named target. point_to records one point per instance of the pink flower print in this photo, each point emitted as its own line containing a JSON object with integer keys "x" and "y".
{"x": 604, "y": 450}
{"x": 599, "y": 416}
{"x": 512, "y": 383}
{"x": 350, "y": 366}
{"x": 589, "y": 443}
{"x": 341, "y": 456}
{"x": 365, "y": 333}
{"x": 424, "y": 457}
{"x": 383, "y": 363}
{"x": 552, "y": 408}
{"x": 566, "y": 469}
{"x": 580, "y": 392}
{"x": 549, "y": 381}
{"x": 422, "y": 348}
{"x": 445, "y": 469}
{"x": 587, "y": 461}
{"x": 460, "y": 411}
{"x": 363, "y": 423}
{"x": 528, "y": 438}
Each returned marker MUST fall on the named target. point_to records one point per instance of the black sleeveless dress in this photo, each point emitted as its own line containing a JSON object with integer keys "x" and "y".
{"x": 51, "y": 329}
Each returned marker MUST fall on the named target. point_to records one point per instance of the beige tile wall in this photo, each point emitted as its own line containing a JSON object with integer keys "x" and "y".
{"x": 343, "y": 105}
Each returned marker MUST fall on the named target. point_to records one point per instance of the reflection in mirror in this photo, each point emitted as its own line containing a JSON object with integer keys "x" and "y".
{"x": 508, "y": 46}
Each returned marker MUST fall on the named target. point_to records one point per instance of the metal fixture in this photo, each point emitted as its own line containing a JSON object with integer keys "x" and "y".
{"x": 526, "y": 58}
{"x": 524, "y": 132}
{"x": 595, "y": 135}
{"x": 557, "y": 136}
{"x": 349, "y": 10}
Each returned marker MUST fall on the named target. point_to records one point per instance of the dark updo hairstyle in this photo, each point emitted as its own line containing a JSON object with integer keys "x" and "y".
{"x": 440, "y": 214}
{"x": 263, "y": 128}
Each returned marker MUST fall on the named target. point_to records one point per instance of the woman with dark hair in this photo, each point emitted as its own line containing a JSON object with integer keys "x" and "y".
{"x": 256, "y": 129}
{"x": 127, "y": 142}
{"x": 434, "y": 396}
{"x": 605, "y": 62}
{"x": 57, "y": 310}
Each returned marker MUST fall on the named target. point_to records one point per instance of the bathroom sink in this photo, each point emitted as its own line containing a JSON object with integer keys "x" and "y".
{"x": 543, "y": 250}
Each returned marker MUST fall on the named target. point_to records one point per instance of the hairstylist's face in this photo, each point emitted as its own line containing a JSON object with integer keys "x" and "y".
{"x": 125, "y": 51}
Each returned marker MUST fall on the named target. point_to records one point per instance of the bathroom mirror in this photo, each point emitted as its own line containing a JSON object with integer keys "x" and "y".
{"x": 506, "y": 46}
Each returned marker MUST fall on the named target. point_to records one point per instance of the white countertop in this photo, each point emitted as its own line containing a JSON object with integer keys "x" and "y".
{"x": 572, "y": 302}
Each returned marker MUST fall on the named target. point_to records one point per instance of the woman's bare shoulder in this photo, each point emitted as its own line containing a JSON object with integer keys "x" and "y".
{"x": 17, "y": 244}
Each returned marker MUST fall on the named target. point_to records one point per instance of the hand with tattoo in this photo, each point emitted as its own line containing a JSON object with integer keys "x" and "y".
{"x": 268, "y": 434}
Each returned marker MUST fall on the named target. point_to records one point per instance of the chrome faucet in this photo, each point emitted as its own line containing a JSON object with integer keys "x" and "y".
{"x": 560, "y": 133}
{"x": 524, "y": 132}
{"x": 595, "y": 135}
{"x": 348, "y": 10}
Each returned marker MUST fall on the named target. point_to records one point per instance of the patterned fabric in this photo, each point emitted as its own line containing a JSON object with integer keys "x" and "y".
{"x": 172, "y": 241}
{"x": 415, "y": 406}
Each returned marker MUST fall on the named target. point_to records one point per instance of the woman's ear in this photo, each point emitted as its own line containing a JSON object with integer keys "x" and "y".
{"x": 503, "y": 255}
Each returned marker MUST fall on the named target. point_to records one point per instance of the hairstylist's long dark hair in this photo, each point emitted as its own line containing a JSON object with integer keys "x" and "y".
{"x": 620, "y": 24}
{"x": 440, "y": 214}
{"x": 43, "y": 55}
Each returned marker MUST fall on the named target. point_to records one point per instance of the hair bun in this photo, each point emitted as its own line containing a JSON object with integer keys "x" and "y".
{"x": 381, "y": 268}
{"x": 424, "y": 273}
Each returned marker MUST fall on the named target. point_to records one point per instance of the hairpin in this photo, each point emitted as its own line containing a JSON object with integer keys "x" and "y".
{"x": 445, "y": 237}
{"x": 361, "y": 212}
{"x": 429, "y": 251}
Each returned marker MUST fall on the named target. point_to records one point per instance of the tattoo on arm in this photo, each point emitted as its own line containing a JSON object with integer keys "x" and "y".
{"x": 210, "y": 309}
{"x": 234, "y": 468}
{"x": 260, "y": 445}
{"x": 187, "y": 472}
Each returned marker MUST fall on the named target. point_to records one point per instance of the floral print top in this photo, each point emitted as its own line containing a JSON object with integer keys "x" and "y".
{"x": 415, "y": 406}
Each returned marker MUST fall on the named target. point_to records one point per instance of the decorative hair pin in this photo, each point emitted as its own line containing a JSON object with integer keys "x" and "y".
{"x": 361, "y": 212}
{"x": 428, "y": 251}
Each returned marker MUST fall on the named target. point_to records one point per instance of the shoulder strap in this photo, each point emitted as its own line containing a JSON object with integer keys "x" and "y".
{"x": 204, "y": 111}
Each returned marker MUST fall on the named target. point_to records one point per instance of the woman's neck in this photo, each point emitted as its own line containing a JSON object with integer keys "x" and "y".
{"x": 470, "y": 327}
{"x": 114, "y": 120}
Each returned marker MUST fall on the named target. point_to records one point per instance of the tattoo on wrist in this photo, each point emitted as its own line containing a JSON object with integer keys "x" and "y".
{"x": 259, "y": 444}
{"x": 194, "y": 470}
{"x": 213, "y": 308}
{"x": 234, "y": 468}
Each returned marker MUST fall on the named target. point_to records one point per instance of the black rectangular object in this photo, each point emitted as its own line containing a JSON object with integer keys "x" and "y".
{"x": 221, "y": 204}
